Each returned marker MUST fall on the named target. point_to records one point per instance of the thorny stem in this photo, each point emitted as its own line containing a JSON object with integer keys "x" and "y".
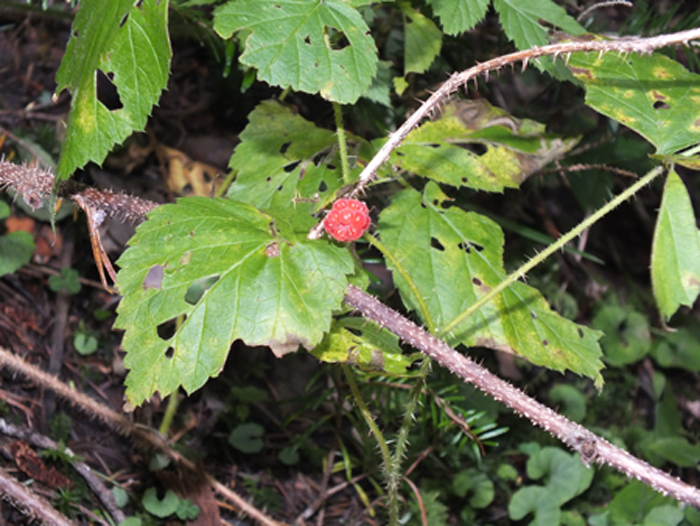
{"x": 378, "y": 436}
{"x": 623, "y": 45}
{"x": 425, "y": 313}
{"x": 395, "y": 474}
{"x": 551, "y": 249}
{"x": 342, "y": 142}
{"x": 590, "y": 447}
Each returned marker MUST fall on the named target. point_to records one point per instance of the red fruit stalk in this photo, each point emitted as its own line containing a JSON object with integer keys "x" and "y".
{"x": 348, "y": 220}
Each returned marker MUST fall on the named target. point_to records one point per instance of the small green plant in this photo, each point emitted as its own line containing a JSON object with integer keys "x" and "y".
{"x": 66, "y": 281}
{"x": 16, "y": 248}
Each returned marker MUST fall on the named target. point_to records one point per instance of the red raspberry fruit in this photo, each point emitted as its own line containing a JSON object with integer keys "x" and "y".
{"x": 348, "y": 220}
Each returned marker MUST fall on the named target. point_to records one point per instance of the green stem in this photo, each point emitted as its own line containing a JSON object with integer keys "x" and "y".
{"x": 226, "y": 183}
{"x": 404, "y": 274}
{"x": 563, "y": 240}
{"x": 379, "y": 437}
{"x": 342, "y": 144}
{"x": 170, "y": 411}
{"x": 402, "y": 437}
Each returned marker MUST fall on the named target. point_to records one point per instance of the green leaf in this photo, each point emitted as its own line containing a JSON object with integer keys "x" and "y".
{"x": 573, "y": 400}
{"x": 68, "y": 281}
{"x": 521, "y": 22}
{"x": 675, "y": 255}
{"x": 129, "y": 43}
{"x": 380, "y": 89}
{"x": 444, "y": 250}
{"x": 308, "y": 45}
{"x": 674, "y": 449}
{"x": 4, "y": 210}
{"x": 275, "y": 168}
{"x": 633, "y": 503}
{"x": 16, "y": 249}
{"x": 269, "y": 292}
{"x": 246, "y": 438}
{"x": 423, "y": 40}
{"x": 651, "y": 94}
{"x": 678, "y": 349}
{"x": 477, "y": 483}
{"x": 458, "y": 16}
{"x": 508, "y": 150}
{"x": 627, "y": 337}
{"x": 565, "y": 478}
{"x": 160, "y": 508}
{"x": 362, "y": 343}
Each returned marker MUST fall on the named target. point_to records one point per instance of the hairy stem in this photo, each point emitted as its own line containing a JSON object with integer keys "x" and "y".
{"x": 591, "y": 448}
{"x": 342, "y": 142}
{"x": 393, "y": 503}
{"x": 551, "y": 249}
{"x": 424, "y": 312}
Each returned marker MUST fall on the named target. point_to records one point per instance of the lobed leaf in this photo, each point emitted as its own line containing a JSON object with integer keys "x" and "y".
{"x": 479, "y": 146}
{"x": 309, "y": 45}
{"x": 454, "y": 258}
{"x": 128, "y": 43}
{"x": 459, "y": 16}
{"x": 675, "y": 254}
{"x": 262, "y": 289}
{"x": 651, "y": 94}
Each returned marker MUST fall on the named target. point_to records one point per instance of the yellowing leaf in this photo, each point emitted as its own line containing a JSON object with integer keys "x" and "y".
{"x": 651, "y": 94}
{"x": 129, "y": 44}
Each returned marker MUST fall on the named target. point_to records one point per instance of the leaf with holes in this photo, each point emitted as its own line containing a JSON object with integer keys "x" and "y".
{"x": 651, "y": 94}
{"x": 521, "y": 22}
{"x": 262, "y": 289}
{"x": 316, "y": 47}
{"x": 454, "y": 258}
{"x": 423, "y": 40}
{"x": 458, "y": 17}
{"x": 675, "y": 255}
{"x": 126, "y": 47}
{"x": 362, "y": 343}
{"x": 286, "y": 165}
{"x": 479, "y": 146}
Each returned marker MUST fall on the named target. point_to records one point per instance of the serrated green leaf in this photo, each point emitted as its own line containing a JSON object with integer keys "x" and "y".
{"x": 313, "y": 46}
{"x": 275, "y": 165}
{"x": 675, "y": 256}
{"x": 16, "y": 249}
{"x": 509, "y": 149}
{"x": 362, "y": 343}
{"x": 380, "y": 89}
{"x": 458, "y": 16}
{"x": 269, "y": 292}
{"x": 651, "y": 94}
{"x": 454, "y": 258}
{"x": 423, "y": 40}
{"x": 521, "y": 22}
{"x": 130, "y": 44}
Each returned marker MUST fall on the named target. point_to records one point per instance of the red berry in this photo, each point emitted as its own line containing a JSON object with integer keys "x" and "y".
{"x": 348, "y": 220}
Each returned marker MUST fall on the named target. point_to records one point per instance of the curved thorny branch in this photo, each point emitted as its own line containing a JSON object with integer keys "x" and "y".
{"x": 432, "y": 105}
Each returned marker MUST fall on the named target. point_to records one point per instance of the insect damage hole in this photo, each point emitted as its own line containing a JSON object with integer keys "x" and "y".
{"x": 167, "y": 329}
{"x": 337, "y": 38}
{"x": 107, "y": 92}
{"x": 434, "y": 243}
{"x": 169, "y": 353}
